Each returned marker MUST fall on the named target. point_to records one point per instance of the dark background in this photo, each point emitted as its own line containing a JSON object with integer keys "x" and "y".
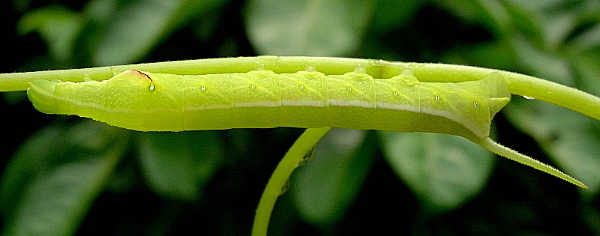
{"x": 210, "y": 182}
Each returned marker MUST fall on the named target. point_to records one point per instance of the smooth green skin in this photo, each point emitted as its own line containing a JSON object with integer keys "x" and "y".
{"x": 517, "y": 84}
{"x": 146, "y": 101}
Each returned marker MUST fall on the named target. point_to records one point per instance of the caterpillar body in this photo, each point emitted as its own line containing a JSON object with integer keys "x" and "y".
{"x": 389, "y": 98}
{"x": 263, "y": 99}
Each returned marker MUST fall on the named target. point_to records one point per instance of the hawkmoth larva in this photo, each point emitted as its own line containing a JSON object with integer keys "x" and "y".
{"x": 147, "y": 101}
{"x": 263, "y": 99}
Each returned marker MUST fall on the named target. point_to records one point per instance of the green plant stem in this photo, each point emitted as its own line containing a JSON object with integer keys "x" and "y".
{"x": 519, "y": 84}
{"x": 327, "y": 65}
{"x": 280, "y": 177}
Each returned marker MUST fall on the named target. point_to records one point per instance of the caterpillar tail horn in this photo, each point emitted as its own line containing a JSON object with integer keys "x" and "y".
{"x": 506, "y": 152}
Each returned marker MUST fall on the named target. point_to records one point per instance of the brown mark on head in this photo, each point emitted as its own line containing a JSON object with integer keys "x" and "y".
{"x": 141, "y": 73}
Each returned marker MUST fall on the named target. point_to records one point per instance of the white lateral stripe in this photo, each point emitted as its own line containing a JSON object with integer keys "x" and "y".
{"x": 310, "y": 103}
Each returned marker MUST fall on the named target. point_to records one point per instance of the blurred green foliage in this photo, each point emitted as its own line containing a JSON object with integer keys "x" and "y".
{"x": 63, "y": 175}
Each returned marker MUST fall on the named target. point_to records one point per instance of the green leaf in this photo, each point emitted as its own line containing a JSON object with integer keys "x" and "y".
{"x": 326, "y": 186}
{"x": 25, "y": 164}
{"x": 587, "y": 40}
{"x": 61, "y": 180}
{"x": 558, "y": 27}
{"x": 480, "y": 54}
{"x": 391, "y": 14}
{"x": 487, "y": 13}
{"x": 307, "y": 27}
{"x": 58, "y": 26}
{"x": 577, "y": 151}
{"x": 444, "y": 171}
{"x": 138, "y": 26}
{"x": 586, "y": 65}
{"x": 525, "y": 19}
{"x": 178, "y": 165}
{"x": 542, "y": 63}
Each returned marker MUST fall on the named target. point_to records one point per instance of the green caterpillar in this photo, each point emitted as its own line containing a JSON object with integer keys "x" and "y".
{"x": 264, "y": 98}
